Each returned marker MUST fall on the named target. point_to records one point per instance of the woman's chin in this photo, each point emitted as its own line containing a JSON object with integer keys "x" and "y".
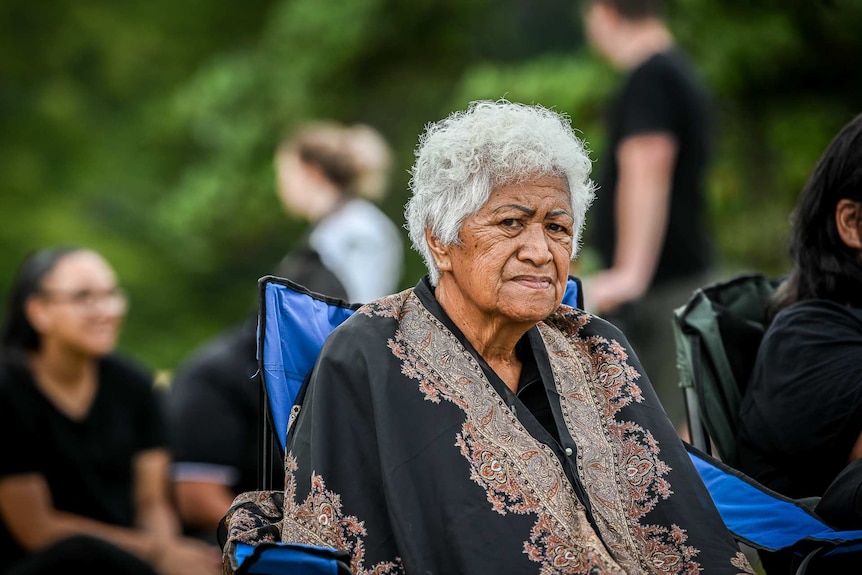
{"x": 532, "y": 313}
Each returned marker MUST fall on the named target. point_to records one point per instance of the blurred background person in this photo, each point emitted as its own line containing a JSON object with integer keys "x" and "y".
{"x": 648, "y": 223}
{"x": 801, "y": 416}
{"x": 214, "y": 417}
{"x": 325, "y": 172}
{"x": 84, "y": 473}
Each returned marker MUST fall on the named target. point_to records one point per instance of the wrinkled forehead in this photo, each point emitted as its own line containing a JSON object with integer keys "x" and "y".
{"x": 555, "y": 178}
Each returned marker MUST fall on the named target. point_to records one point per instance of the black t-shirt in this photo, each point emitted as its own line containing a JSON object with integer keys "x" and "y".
{"x": 88, "y": 464}
{"x": 802, "y": 411}
{"x": 214, "y": 411}
{"x": 662, "y": 95}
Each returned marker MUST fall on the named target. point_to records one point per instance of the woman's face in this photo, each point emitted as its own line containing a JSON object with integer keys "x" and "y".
{"x": 79, "y": 306}
{"x": 295, "y": 186}
{"x": 303, "y": 188}
{"x": 513, "y": 259}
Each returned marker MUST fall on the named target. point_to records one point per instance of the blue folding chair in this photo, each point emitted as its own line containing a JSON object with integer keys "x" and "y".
{"x": 768, "y": 521}
{"x": 293, "y": 325}
{"x": 290, "y": 559}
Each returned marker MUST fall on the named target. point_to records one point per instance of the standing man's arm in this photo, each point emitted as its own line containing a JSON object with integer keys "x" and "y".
{"x": 646, "y": 163}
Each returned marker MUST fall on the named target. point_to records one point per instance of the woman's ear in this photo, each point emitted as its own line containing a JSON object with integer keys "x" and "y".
{"x": 37, "y": 313}
{"x": 440, "y": 252}
{"x": 848, "y": 219}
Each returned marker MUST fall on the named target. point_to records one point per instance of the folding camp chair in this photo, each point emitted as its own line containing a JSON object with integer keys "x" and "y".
{"x": 717, "y": 335}
{"x": 293, "y": 324}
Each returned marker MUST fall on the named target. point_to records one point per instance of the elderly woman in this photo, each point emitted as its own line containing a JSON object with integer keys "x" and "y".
{"x": 472, "y": 424}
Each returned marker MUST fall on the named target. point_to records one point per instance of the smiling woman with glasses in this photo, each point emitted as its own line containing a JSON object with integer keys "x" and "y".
{"x": 84, "y": 472}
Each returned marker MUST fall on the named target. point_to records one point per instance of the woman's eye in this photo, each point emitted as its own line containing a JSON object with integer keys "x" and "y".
{"x": 510, "y": 222}
{"x": 557, "y": 228}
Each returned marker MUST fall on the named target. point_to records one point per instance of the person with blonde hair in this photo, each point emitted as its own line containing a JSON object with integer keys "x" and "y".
{"x": 332, "y": 175}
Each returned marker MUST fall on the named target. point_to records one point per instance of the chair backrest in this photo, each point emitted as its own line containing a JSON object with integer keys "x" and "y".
{"x": 769, "y": 521}
{"x": 717, "y": 335}
{"x": 293, "y": 323}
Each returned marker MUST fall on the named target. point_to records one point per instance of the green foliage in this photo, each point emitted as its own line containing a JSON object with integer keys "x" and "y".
{"x": 147, "y": 132}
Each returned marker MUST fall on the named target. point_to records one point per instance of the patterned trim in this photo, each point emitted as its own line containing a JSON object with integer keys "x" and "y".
{"x": 606, "y": 444}
{"x": 320, "y": 520}
{"x": 519, "y": 474}
{"x": 254, "y": 517}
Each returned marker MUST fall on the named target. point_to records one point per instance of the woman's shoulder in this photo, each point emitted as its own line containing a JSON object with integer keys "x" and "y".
{"x": 808, "y": 333}
{"x": 817, "y": 314}
{"x": 376, "y": 317}
{"x": 358, "y": 216}
{"x": 12, "y": 377}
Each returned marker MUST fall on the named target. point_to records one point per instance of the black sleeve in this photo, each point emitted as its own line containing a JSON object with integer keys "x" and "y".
{"x": 212, "y": 405}
{"x": 20, "y": 455}
{"x": 648, "y": 105}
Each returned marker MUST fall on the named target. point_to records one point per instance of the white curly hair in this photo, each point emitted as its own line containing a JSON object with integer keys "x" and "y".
{"x": 462, "y": 158}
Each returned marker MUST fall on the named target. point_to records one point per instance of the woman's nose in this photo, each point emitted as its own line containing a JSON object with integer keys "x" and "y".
{"x": 535, "y": 247}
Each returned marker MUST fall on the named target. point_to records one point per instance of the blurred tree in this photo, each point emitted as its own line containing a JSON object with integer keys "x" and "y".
{"x": 782, "y": 71}
{"x": 147, "y": 129}
{"x": 80, "y": 83}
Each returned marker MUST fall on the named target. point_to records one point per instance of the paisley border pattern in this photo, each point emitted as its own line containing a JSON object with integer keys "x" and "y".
{"x": 320, "y": 520}
{"x": 519, "y": 474}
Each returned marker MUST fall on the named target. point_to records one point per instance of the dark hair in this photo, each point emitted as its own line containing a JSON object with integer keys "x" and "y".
{"x": 17, "y": 334}
{"x": 824, "y": 267}
{"x": 635, "y": 9}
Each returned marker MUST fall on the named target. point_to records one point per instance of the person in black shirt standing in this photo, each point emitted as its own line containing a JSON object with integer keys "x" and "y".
{"x": 648, "y": 219}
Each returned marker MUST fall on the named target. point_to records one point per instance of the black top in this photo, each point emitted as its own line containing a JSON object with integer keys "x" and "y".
{"x": 662, "y": 95}
{"x": 88, "y": 464}
{"x": 802, "y": 411}
{"x": 214, "y": 412}
{"x": 304, "y": 266}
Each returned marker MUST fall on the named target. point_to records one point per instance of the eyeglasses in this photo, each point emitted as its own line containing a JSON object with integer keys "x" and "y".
{"x": 88, "y": 299}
